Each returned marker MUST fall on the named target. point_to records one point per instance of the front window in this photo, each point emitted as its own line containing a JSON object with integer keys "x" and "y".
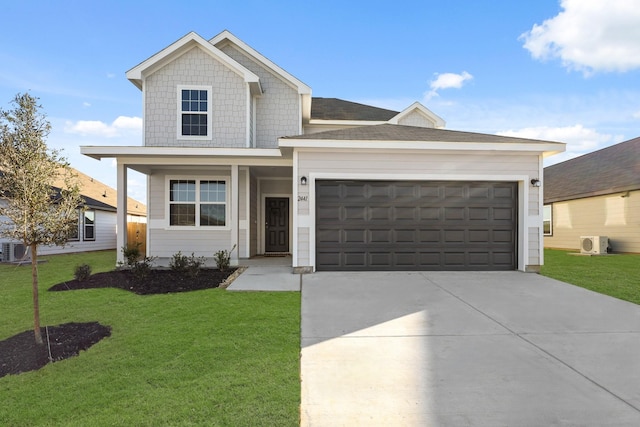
{"x": 89, "y": 225}
{"x": 548, "y": 220}
{"x": 197, "y": 202}
{"x": 194, "y": 112}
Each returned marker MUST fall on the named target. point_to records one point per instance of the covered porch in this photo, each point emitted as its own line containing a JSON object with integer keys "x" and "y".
{"x": 254, "y": 198}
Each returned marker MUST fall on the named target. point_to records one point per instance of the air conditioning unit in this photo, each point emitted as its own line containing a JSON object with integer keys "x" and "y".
{"x": 594, "y": 245}
{"x": 13, "y": 252}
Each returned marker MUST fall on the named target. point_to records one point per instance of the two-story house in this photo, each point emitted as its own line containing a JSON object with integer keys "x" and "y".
{"x": 238, "y": 153}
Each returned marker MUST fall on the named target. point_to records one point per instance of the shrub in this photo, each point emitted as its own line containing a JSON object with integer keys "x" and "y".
{"x": 194, "y": 264}
{"x": 142, "y": 268}
{"x": 184, "y": 264}
{"x": 179, "y": 262}
{"x": 223, "y": 258}
{"x": 131, "y": 254}
{"x": 82, "y": 272}
{"x": 139, "y": 267}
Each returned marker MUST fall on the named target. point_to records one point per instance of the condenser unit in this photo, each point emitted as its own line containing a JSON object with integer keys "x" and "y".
{"x": 594, "y": 245}
{"x": 12, "y": 252}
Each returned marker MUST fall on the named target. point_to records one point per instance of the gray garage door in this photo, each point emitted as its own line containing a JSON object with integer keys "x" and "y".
{"x": 410, "y": 225}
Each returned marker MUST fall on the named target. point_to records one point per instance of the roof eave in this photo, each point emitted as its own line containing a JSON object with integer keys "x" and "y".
{"x": 137, "y": 74}
{"x": 544, "y": 148}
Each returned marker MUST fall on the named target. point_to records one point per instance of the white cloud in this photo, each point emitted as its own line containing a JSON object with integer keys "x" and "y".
{"x": 579, "y": 140}
{"x": 636, "y": 115}
{"x": 589, "y": 36}
{"x": 120, "y": 126}
{"x": 447, "y": 81}
{"x": 86, "y": 104}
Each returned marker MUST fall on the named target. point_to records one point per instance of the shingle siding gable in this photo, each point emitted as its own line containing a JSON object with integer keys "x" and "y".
{"x": 277, "y": 109}
{"x": 229, "y": 101}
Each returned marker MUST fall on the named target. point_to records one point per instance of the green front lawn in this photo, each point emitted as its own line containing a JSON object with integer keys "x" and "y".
{"x": 616, "y": 275}
{"x": 207, "y": 357}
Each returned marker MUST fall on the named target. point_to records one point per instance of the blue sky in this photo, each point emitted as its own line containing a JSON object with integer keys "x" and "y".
{"x": 566, "y": 70}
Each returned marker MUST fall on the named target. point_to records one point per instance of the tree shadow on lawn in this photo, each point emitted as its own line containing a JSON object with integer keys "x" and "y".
{"x": 20, "y": 353}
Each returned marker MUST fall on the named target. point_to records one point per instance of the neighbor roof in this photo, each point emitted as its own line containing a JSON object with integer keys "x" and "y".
{"x": 610, "y": 170}
{"x": 100, "y": 196}
{"x": 339, "y": 109}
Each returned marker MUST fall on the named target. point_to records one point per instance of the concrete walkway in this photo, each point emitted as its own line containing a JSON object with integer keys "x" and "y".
{"x": 466, "y": 349}
{"x": 266, "y": 274}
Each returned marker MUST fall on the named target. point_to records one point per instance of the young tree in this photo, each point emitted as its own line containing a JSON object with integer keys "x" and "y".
{"x": 35, "y": 212}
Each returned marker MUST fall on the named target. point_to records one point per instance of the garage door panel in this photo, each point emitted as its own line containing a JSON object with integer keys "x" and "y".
{"x": 354, "y": 213}
{"x": 429, "y": 213}
{"x": 429, "y": 236}
{"x": 405, "y": 213}
{"x": 354, "y": 236}
{"x": 479, "y": 214}
{"x": 454, "y": 214}
{"x": 381, "y": 225}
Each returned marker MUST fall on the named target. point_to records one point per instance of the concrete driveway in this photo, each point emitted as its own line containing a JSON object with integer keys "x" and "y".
{"x": 466, "y": 349}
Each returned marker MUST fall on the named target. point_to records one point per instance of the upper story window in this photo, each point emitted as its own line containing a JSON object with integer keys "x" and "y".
{"x": 194, "y": 112}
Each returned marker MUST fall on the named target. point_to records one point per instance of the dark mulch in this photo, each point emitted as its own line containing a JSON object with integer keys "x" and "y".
{"x": 158, "y": 281}
{"x": 20, "y": 353}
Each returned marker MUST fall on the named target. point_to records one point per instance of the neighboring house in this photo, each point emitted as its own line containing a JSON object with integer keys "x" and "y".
{"x": 96, "y": 229}
{"x": 597, "y": 194}
{"x": 238, "y": 153}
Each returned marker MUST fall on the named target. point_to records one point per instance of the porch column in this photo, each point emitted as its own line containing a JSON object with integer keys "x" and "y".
{"x": 121, "y": 214}
{"x": 235, "y": 206}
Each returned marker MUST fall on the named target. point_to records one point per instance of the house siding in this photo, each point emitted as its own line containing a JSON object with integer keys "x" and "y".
{"x": 416, "y": 119}
{"x": 611, "y": 215}
{"x": 229, "y": 101}
{"x": 390, "y": 165}
{"x": 105, "y": 233}
{"x": 277, "y": 109}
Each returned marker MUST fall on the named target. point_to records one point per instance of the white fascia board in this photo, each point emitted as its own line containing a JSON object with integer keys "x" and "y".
{"x": 303, "y": 89}
{"x": 551, "y": 147}
{"x": 136, "y": 74}
{"x": 346, "y": 122}
{"x": 101, "y": 152}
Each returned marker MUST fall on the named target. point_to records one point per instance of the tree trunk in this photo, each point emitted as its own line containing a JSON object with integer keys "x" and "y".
{"x": 36, "y": 303}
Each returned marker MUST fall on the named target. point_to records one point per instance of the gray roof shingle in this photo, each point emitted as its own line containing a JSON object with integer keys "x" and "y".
{"x": 609, "y": 170}
{"x": 389, "y": 132}
{"x": 338, "y": 109}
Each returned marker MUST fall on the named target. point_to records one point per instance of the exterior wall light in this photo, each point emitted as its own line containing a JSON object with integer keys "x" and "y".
{"x": 303, "y": 180}
{"x": 536, "y": 182}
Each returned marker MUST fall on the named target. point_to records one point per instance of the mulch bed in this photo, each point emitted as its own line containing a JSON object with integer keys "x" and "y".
{"x": 20, "y": 353}
{"x": 158, "y": 281}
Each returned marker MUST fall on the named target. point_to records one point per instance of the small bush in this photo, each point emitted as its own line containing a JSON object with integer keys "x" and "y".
{"x": 184, "y": 264}
{"x": 142, "y": 268}
{"x": 223, "y": 258}
{"x": 194, "y": 264}
{"x": 179, "y": 262}
{"x": 131, "y": 254}
{"x": 82, "y": 272}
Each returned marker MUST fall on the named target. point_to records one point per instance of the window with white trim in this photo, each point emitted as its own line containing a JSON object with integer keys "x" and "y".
{"x": 89, "y": 225}
{"x": 194, "y": 112}
{"x": 198, "y": 202}
{"x": 547, "y": 220}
